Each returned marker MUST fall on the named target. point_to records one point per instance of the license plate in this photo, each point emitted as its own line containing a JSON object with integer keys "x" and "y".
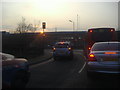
{"x": 61, "y": 52}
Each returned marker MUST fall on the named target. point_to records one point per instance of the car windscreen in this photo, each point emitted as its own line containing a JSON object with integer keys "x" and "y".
{"x": 106, "y": 47}
{"x": 61, "y": 46}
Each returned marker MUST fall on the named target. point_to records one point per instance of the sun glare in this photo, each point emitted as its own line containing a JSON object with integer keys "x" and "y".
{"x": 41, "y": 32}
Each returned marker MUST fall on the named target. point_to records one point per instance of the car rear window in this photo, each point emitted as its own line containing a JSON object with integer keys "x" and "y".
{"x": 105, "y": 33}
{"x": 106, "y": 47}
{"x": 61, "y": 46}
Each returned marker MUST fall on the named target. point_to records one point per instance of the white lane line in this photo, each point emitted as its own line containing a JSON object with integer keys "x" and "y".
{"x": 83, "y": 65}
{"x": 36, "y": 65}
{"x": 82, "y": 68}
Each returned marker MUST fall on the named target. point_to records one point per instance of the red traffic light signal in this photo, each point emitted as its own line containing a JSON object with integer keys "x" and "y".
{"x": 44, "y": 25}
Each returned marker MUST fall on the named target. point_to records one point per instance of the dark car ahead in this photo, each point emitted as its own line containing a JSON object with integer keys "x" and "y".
{"x": 104, "y": 57}
{"x": 15, "y": 71}
{"x": 62, "y": 49}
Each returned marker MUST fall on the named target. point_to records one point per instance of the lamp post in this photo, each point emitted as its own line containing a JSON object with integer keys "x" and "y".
{"x": 73, "y": 24}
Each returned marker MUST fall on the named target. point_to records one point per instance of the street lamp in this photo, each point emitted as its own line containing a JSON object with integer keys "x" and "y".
{"x": 73, "y": 24}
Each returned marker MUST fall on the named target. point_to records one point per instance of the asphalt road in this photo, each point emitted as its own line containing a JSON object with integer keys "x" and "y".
{"x": 65, "y": 73}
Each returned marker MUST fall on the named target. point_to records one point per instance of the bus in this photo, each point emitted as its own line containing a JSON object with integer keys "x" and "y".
{"x": 98, "y": 35}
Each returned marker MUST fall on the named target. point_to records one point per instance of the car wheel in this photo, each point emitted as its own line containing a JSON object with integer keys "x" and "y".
{"x": 20, "y": 80}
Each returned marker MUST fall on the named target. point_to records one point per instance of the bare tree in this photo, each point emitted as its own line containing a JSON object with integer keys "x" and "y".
{"x": 31, "y": 28}
{"x": 23, "y": 27}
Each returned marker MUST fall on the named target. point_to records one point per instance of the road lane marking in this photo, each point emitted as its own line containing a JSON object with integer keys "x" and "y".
{"x": 36, "y": 65}
{"x": 82, "y": 68}
{"x": 83, "y": 65}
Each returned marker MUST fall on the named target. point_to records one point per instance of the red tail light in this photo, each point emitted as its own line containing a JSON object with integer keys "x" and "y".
{"x": 69, "y": 48}
{"x": 54, "y": 49}
{"x": 111, "y": 30}
{"x": 91, "y": 31}
{"x": 91, "y": 57}
{"x": 89, "y": 48}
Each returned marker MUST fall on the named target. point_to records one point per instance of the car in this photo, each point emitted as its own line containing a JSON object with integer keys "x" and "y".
{"x": 62, "y": 49}
{"x": 104, "y": 57}
{"x": 15, "y": 71}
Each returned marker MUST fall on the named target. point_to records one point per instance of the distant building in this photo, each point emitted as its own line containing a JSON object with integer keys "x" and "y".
{"x": 76, "y": 38}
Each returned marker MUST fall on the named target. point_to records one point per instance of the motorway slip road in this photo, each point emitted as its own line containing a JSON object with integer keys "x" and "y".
{"x": 65, "y": 73}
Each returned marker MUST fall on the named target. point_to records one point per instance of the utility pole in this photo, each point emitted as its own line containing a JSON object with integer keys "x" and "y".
{"x": 55, "y": 29}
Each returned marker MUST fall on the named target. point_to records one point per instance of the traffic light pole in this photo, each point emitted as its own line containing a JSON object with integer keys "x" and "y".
{"x": 43, "y": 35}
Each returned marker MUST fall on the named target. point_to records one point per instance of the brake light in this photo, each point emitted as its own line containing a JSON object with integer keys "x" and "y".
{"x": 61, "y": 42}
{"x": 69, "y": 48}
{"x": 91, "y": 31}
{"x": 111, "y": 30}
{"x": 110, "y": 52}
{"x": 91, "y": 57}
{"x": 89, "y": 48}
{"x": 54, "y": 49}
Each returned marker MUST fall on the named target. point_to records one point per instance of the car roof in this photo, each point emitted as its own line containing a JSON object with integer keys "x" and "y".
{"x": 100, "y": 28}
{"x": 107, "y": 42}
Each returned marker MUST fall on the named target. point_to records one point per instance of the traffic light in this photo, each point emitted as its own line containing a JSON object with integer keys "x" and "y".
{"x": 44, "y": 25}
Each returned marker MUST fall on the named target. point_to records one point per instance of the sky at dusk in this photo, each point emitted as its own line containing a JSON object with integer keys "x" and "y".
{"x": 58, "y": 13}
